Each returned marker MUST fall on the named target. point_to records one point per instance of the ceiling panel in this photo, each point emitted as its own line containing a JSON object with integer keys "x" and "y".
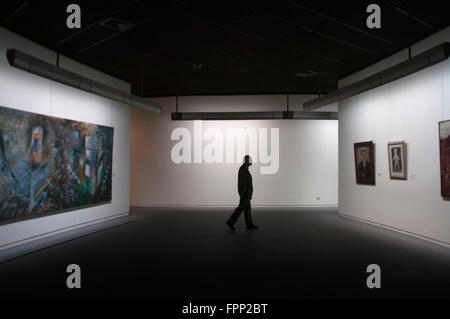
{"x": 198, "y": 47}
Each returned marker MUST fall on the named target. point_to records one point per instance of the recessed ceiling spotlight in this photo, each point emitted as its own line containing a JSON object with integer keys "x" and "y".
{"x": 305, "y": 74}
{"x": 116, "y": 24}
{"x": 197, "y": 66}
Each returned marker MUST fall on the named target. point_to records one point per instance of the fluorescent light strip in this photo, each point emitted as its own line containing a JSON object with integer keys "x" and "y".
{"x": 42, "y": 68}
{"x": 279, "y": 115}
{"x": 421, "y": 61}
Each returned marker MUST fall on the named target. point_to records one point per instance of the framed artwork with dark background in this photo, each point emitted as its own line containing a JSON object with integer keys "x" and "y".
{"x": 364, "y": 163}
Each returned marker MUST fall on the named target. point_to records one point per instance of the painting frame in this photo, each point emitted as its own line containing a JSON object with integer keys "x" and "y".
{"x": 444, "y": 157}
{"x": 402, "y": 172}
{"x": 51, "y": 165}
{"x": 364, "y": 164}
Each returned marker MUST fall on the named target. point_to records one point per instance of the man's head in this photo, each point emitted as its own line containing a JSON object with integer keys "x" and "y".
{"x": 364, "y": 155}
{"x": 247, "y": 160}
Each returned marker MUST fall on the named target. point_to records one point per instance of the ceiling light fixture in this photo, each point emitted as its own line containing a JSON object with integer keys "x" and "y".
{"x": 264, "y": 115}
{"x": 116, "y": 24}
{"x": 276, "y": 115}
{"x": 306, "y": 74}
{"x": 197, "y": 66}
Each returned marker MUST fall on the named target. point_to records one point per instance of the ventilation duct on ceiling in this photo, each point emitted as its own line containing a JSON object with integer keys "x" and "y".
{"x": 415, "y": 64}
{"x": 280, "y": 115}
{"x": 36, "y": 66}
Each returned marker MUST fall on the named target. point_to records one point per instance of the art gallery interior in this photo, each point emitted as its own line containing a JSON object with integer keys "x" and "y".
{"x": 121, "y": 142}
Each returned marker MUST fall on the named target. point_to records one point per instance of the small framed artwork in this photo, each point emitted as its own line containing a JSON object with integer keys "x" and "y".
{"x": 444, "y": 151}
{"x": 397, "y": 160}
{"x": 364, "y": 163}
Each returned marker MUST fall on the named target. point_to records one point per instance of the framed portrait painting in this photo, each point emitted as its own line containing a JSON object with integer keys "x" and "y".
{"x": 444, "y": 150}
{"x": 364, "y": 163}
{"x": 397, "y": 160}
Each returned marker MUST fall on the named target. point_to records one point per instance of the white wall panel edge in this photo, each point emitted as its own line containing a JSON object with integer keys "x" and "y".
{"x": 231, "y": 206}
{"x": 61, "y": 230}
{"x": 362, "y": 220}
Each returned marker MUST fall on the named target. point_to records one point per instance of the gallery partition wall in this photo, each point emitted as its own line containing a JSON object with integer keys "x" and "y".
{"x": 400, "y": 118}
{"x": 98, "y": 140}
{"x": 195, "y": 163}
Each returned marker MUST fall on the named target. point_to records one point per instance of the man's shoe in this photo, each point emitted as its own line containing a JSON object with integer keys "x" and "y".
{"x": 231, "y": 226}
{"x": 252, "y": 227}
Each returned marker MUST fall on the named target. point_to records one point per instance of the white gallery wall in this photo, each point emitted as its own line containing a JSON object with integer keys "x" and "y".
{"x": 306, "y": 174}
{"x": 25, "y": 91}
{"x": 408, "y": 109}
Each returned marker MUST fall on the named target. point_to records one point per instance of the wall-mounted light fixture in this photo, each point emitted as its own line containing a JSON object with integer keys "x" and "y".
{"x": 421, "y": 61}
{"x": 39, "y": 67}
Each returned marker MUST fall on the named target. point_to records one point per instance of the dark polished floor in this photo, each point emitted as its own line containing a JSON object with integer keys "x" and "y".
{"x": 189, "y": 253}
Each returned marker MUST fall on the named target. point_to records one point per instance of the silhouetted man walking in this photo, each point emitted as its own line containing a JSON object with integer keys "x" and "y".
{"x": 245, "y": 189}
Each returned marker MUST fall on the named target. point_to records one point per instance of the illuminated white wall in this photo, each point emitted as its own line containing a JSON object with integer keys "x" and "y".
{"x": 307, "y": 174}
{"x": 28, "y": 92}
{"x": 408, "y": 109}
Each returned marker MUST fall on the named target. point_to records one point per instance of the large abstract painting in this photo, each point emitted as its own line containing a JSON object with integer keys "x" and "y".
{"x": 444, "y": 146}
{"x": 50, "y": 165}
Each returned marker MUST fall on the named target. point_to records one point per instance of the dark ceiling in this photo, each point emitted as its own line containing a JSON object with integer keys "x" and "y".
{"x": 194, "y": 47}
